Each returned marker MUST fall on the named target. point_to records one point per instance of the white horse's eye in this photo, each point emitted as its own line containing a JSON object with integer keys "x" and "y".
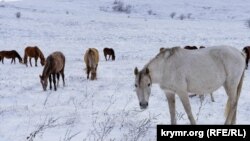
{"x": 136, "y": 85}
{"x": 148, "y": 84}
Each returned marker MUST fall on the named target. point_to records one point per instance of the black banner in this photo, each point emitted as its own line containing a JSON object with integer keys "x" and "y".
{"x": 200, "y": 132}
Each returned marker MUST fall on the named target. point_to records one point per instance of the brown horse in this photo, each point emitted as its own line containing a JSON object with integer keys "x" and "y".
{"x": 10, "y": 55}
{"x": 110, "y": 52}
{"x": 33, "y": 52}
{"x": 246, "y": 50}
{"x": 55, "y": 64}
{"x": 91, "y": 59}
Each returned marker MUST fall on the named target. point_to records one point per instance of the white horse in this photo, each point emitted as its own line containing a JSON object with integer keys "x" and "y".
{"x": 179, "y": 71}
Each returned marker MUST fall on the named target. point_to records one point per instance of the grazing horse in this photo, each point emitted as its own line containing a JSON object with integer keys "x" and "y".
{"x": 55, "y": 64}
{"x": 110, "y": 52}
{"x": 33, "y": 52}
{"x": 91, "y": 59}
{"x": 246, "y": 50}
{"x": 10, "y": 55}
{"x": 179, "y": 71}
{"x": 190, "y": 47}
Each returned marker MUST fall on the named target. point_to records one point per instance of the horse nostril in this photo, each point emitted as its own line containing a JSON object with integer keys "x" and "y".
{"x": 140, "y": 104}
{"x": 144, "y": 105}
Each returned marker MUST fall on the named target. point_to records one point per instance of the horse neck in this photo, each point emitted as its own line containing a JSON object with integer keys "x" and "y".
{"x": 41, "y": 55}
{"x": 47, "y": 69}
{"x": 18, "y": 56}
{"x": 155, "y": 70}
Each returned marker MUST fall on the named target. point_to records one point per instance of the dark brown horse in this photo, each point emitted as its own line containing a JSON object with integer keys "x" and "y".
{"x": 33, "y": 52}
{"x": 55, "y": 64}
{"x": 190, "y": 47}
{"x": 91, "y": 59}
{"x": 246, "y": 50}
{"x": 10, "y": 55}
{"x": 202, "y": 47}
{"x": 110, "y": 52}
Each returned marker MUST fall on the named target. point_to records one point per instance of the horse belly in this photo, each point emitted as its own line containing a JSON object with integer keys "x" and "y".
{"x": 206, "y": 84}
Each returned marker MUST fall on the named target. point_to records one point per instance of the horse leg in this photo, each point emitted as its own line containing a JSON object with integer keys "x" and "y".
{"x": 54, "y": 81}
{"x": 105, "y": 57}
{"x": 186, "y": 104}
{"x": 231, "y": 106}
{"x": 212, "y": 98}
{"x": 50, "y": 86}
{"x": 62, "y": 73}
{"x": 247, "y": 62}
{"x": 96, "y": 67}
{"x": 58, "y": 78}
{"x": 202, "y": 97}
{"x": 88, "y": 71}
{"x": 30, "y": 61}
{"x": 36, "y": 58}
{"x": 171, "y": 103}
{"x": 25, "y": 60}
{"x": 247, "y": 57}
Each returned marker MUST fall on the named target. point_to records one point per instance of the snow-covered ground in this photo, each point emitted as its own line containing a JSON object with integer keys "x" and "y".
{"x": 108, "y": 109}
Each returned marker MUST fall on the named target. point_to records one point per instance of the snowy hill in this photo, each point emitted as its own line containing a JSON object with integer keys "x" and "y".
{"x": 108, "y": 109}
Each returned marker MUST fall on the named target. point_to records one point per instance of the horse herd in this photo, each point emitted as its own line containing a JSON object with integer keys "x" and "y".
{"x": 177, "y": 70}
{"x": 54, "y": 64}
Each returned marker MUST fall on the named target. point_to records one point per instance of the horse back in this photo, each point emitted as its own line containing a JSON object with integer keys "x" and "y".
{"x": 55, "y": 62}
{"x": 30, "y": 51}
{"x": 9, "y": 54}
{"x": 91, "y": 53}
{"x": 96, "y": 55}
{"x": 205, "y": 70}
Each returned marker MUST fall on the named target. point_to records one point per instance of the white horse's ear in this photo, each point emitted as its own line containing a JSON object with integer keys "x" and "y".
{"x": 136, "y": 71}
{"x": 147, "y": 71}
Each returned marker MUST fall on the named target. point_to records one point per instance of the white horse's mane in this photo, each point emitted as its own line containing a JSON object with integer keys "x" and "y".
{"x": 172, "y": 51}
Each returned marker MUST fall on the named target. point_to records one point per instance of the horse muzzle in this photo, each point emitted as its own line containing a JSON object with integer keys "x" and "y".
{"x": 143, "y": 105}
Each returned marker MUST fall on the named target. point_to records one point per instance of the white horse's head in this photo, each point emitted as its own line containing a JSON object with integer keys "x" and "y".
{"x": 143, "y": 85}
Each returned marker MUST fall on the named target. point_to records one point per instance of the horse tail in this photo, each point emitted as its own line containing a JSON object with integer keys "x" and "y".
{"x": 113, "y": 54}
{"x": 239, "y": 87}
{"x": 247, "y": 53}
